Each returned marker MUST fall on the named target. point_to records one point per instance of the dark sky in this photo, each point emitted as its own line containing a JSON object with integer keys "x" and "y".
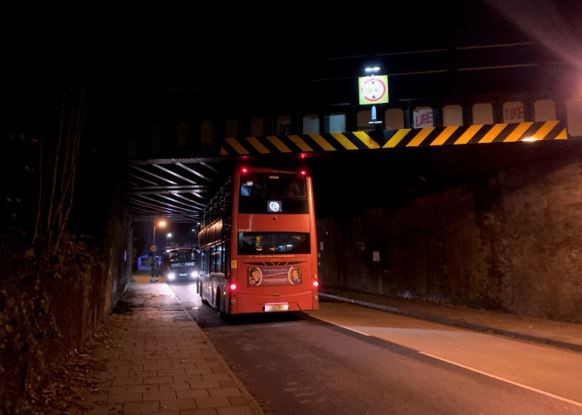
{"x": 197, "y": 38}
{"x": 205, "y": 46}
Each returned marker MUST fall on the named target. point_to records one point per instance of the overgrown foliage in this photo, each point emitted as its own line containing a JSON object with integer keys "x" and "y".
{"x": 44, "y": 315}
{"x": 52, "y": 285}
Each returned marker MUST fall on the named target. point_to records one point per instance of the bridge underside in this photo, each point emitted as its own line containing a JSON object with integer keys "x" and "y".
{"x": 176, "y": 189}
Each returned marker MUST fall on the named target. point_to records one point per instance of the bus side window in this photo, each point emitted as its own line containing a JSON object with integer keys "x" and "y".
{"x": 250, "y": 188}
{"x": 245, "y": 189}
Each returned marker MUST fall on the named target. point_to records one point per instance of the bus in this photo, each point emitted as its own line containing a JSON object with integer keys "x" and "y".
{"x": 258, "y": 251}
{"x": 179, "y": 265}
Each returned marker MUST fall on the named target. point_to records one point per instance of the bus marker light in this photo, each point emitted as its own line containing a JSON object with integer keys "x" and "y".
{"x": 232, "y": 287}
{"x": 316, "y": 284}
{"x": 303, "y": 172}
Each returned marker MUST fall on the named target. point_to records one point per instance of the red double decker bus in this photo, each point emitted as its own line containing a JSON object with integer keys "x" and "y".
{"x": 258, "y": 243}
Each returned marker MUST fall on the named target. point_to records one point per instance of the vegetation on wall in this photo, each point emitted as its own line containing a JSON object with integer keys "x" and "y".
{"x": 54, "y": 284}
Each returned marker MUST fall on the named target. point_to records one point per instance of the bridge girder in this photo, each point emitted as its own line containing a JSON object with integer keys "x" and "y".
{"x": 180, "y": 188}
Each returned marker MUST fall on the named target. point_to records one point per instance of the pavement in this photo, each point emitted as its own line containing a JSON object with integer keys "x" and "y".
{"x": 554, "y": 333}
{"x": 158, "y": 360}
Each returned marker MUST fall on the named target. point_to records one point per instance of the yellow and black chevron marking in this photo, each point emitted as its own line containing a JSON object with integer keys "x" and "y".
{"x": 357, "y": 140}
{"x": 406, "y": 137}
{"x": 476, "y": 134}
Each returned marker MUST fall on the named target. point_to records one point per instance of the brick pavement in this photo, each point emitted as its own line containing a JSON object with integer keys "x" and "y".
{"x": 539, "y": 330}
{"x": 158, "y": 360}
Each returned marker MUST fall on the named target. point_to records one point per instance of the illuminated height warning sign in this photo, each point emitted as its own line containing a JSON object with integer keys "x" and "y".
{"x": 373, "y": 89}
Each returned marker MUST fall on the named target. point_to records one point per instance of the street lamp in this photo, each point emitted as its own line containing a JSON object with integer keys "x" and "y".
{"x": 372, "y": 69}
{"x": 154, "y": 264}
{"x": 160, "y": 224}
{"x": 374, "y": 89}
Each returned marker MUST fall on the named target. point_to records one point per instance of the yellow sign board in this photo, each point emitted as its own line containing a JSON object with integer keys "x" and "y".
{"x": 373, "y": 89}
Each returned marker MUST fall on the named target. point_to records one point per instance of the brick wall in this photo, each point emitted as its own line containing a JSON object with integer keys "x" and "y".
{"x": 512, "y": 242}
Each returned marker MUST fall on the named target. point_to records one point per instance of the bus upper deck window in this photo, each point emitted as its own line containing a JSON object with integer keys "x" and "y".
{"x": 246, "y": 188}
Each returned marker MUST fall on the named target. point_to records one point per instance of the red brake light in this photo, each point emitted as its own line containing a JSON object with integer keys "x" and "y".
{"x": 232, "y": 287}
{"x": 316, "y": 284}
{"x": 303, "y": 172}
{"x": 244, "y": 170}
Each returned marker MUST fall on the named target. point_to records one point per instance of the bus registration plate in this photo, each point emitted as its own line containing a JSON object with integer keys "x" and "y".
{"x": 276, "y": 307}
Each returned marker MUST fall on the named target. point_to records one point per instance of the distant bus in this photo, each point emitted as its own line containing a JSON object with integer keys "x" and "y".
{"x": 179, "y": 265}
{"x": 258, "y": 243}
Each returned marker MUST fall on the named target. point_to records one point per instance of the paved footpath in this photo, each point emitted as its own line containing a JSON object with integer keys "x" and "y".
{"x": 555, "y": 333}
{"x": 157, "y": 360}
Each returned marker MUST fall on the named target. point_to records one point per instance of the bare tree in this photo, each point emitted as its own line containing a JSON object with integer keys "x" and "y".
{"x": 58, "y": 163}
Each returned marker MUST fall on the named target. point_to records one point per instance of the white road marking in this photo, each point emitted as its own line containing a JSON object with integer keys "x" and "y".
{"x": 521, "y": 385}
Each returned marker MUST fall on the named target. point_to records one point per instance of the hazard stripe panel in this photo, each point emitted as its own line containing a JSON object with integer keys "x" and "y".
{"x": 406, "y": 137}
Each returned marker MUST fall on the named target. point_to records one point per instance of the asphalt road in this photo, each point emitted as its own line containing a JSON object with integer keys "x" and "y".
{"x": 299, "y": 364}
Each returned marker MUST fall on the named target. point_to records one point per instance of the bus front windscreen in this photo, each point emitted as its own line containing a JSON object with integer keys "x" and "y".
{"x": 269, "y": 243}
{"x": 182, "y": 256}
{"x": 273, "y": 193}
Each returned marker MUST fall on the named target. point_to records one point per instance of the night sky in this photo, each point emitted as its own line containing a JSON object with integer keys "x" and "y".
{"x": 171, "y": 45}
